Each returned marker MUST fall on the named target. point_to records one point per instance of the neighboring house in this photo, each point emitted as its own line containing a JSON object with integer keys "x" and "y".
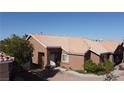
{"x": 70, "y": 51}
{"x": 103, "y": 50}
{"x": 115, "y": 50}
{"x": 4, "y": 66}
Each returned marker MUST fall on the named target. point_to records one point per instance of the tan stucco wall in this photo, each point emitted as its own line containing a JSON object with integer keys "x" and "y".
{"x": 4, "y": 72}
{"x": 76, "y": 61}
{"x": 38, "y": 48}
{"x": 95, "y": 58}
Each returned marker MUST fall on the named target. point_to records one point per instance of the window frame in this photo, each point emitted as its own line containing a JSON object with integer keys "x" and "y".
{"x": 65, "y": 60}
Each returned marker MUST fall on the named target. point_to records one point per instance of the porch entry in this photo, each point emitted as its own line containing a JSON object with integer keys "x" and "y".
{"x": 54, "y": 56}
{"x": 54, "y": 59}
{"x": 118, "y": 58}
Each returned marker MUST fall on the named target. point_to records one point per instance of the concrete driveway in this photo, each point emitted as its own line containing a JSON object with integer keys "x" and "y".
{"x": 74, "y": 76}
{"x": 60, "y": 74}
{"x": 121, "y": 77}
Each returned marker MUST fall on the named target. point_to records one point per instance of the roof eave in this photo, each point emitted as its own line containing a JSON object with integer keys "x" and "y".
{"x": 53, "y": 47}
{"x": 28, "y": 37}
{"x": 72, "y": 53}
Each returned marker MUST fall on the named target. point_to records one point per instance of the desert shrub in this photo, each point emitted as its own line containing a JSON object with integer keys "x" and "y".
{"x": 108, "y": 66}
{"x": 90, "y": 67}
{"x": 99, "y": 69}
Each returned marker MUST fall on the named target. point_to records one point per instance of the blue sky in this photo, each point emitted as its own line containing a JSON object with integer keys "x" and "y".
{"x": 92, "y": 25}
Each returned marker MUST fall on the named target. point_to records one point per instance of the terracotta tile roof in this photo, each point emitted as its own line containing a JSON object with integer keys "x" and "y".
{"x": 76, "y": 45}
{"x": 5, "y": 58}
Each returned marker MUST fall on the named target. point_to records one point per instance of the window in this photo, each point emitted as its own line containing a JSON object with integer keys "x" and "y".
{"x": 65, "y": 58}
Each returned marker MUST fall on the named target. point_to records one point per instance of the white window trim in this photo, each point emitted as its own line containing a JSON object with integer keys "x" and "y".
{"x": 67, "y": 58}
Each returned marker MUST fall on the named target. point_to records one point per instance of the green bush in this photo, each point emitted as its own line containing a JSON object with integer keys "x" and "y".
{"x": 99, "y": 69}
{"x": 108, "y": 66}
{"x": 90, "y": 67}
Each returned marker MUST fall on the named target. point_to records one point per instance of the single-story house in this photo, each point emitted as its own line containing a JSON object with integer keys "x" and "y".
{"x": 115, "y": 50}
{"x": 106, "y": 50}
{"x": 72, "y": 51}
{"x": 4, "y": 66}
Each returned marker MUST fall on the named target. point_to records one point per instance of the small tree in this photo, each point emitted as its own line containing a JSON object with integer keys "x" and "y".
{"x": 99, "y": 69}
{"x": 90, "y": 67}
{"x": 108, "y": 66}
{"x": 17, "y": 47}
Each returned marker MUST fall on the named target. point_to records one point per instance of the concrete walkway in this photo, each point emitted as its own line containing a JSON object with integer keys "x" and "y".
{"x": 69, "y": 75}
{"x": 121, "y": 78}
{"x": 60, "y": 74}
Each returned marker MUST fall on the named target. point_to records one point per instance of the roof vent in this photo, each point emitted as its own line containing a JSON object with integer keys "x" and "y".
{"x": 98, "y": 40}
